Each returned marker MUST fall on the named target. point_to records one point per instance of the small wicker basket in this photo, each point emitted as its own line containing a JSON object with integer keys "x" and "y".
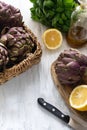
{"x": 32, "y": 59}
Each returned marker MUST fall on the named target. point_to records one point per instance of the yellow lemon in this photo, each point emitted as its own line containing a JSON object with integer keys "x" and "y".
{"x": 78, "y": 98}
{"x": 52, "y": 38}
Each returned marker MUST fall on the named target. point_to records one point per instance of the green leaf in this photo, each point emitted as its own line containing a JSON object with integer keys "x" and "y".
{"x": 48, "y": 3}
{"x": 60, "y": 21}
{"x": 65, "y": 28}
{"x": 68, "y": 14}
{"x": 55, "y": 20}
{"x": 33, "y": 1}
{"x": 68, "y": 3}
{"x": 59, "y": 3}
{"x": 65, "y": 2}
{"x": 50, "y": 14}
{"x": 40, "y": 3}
{"x": 63, "y": 16}
{"x": 60, "y": 9}
{"x": 39, "y": 14}
{"x": 33, "y": 14}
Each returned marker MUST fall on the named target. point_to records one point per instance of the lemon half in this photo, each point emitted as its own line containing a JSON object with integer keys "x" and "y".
{"x": 78, "y": 98}
{"x": 52, "y": 38}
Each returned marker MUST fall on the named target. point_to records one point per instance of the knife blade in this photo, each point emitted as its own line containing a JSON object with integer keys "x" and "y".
{"x": 66, "y": 118}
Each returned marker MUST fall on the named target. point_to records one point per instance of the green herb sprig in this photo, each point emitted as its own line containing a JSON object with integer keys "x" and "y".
{"x": 53, "y": 13}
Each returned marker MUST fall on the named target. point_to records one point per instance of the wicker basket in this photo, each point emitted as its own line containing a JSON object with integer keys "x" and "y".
{"x": 32, "y": 59}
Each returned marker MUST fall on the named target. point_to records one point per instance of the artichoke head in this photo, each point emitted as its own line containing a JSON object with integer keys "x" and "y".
{"x": 71, "y": 67}
{"x": 9, "y": 16}
{"x": 18, "y": 42}
{"x": 4, "y": 59}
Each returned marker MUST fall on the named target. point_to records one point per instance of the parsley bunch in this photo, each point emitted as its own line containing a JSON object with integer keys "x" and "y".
{"x": 53, "y": 13}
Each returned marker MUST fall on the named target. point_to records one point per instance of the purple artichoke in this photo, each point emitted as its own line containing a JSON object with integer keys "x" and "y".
{"x": 71, "y": 67}
{"x": 9, "y": 16}
{"x": 4, "y": 59}
{"x": 18, "y": 42}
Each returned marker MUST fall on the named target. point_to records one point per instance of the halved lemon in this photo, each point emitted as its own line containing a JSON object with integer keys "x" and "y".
{"x": 52, "y": 38}
{"x": 78, "y": 98}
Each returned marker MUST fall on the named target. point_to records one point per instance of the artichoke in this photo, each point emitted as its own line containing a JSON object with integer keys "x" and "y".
{"x": 4, "y": 59}
{"x": 9, "y": 16}
{"x": 71, "y": 67}
{"x": 18, "y": 42}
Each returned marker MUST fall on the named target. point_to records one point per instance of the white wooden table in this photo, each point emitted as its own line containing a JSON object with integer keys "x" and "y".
{"x": 18, "y": 97}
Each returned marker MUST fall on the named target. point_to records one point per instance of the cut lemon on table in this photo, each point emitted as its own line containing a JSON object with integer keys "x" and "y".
{"x": 52, "y": 38}
{"x": 78, "y": 98}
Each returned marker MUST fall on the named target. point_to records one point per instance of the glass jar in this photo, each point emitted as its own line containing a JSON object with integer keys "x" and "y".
{"x": 82, "y": 2}
{"x": 77, "y": 34}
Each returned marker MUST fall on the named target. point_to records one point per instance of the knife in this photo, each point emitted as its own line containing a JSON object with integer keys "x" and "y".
{"x": 66, "y": 118}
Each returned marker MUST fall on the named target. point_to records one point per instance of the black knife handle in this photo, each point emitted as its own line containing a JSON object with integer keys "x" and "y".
{"x": 53, "y": 110}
